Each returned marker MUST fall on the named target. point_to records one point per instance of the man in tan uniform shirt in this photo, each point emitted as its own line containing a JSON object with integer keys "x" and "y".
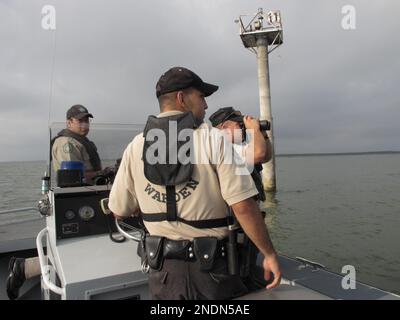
{"x": 71, "y": 144}
{"x": 69, "y": 149}
{"x": 214, "y": 185}
{"x": 253, "y": 148}
{"x": 67, "y": 146}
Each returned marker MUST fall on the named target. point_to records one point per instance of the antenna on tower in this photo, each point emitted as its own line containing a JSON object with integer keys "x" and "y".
{"x": 262, "y": 33}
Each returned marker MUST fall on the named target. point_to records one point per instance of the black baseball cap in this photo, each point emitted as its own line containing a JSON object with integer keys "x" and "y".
{"x": 179, "y": 78}
{"x": 78, "y": 112}
{"x": 224, "y": 114}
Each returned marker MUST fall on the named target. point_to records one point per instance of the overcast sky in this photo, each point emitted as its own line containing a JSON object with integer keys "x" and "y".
{"x": 333, "y": 90}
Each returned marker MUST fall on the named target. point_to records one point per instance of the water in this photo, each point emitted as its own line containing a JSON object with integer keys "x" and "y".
{"x": 341, "y": 210}
{"x": 20, "y": 187}
{"x": 336, "y": 210}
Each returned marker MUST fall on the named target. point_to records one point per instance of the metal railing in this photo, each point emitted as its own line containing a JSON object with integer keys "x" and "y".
{"x": 19, "y": 210}
{"x": 45, "y": 268}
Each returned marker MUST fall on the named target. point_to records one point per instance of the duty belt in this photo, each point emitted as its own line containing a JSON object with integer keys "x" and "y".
{"x": 200, "y": 224}
{"x": 203, "y": 249}
{"x": 184, "y": 250}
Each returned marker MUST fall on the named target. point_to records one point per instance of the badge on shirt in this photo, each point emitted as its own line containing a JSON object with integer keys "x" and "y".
{"x": 67, "y": 148}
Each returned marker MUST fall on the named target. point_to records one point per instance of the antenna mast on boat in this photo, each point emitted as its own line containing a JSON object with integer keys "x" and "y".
{"x": 49, "y": 24}
{"x": 261, "y": 34}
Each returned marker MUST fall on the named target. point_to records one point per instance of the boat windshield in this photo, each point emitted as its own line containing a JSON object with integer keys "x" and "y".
{"x": 110, "y": 140}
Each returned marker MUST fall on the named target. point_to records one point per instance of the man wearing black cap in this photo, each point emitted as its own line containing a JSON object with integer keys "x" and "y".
{"x": 183, "y": 90}
{"x": 255, "y": 149}
{"x": 71, "y": 144}
{"x": 229, "y": 120}
{"x": 184, "y": 204}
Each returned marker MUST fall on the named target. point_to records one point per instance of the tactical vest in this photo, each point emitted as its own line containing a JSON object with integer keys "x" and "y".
{"x": 90, "y": 147}
{"x": 172, "y": 172}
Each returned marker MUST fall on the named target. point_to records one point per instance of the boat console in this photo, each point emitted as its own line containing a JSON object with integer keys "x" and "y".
{"x": 86, "y": 256}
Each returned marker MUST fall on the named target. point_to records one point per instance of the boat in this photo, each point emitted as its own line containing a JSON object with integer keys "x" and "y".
{"x": 85, "y": 254}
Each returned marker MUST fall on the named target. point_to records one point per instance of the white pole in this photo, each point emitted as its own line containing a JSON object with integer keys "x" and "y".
{"x": 268, "y": 173}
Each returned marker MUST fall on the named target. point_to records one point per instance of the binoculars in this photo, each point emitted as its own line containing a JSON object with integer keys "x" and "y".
{"x": 265, "y": 125}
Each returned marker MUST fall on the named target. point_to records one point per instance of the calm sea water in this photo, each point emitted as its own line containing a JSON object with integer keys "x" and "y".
{"x": 336, "y": 210}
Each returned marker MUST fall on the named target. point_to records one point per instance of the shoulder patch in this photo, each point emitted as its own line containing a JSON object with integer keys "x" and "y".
{"x": 67, "y": 148}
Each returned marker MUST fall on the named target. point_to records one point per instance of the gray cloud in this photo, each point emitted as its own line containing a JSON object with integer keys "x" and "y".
{"x": 332, "y": 90}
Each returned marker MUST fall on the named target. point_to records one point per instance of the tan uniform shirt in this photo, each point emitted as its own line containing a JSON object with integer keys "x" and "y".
{"x": 69, "y": 149}
{"x": 206, "y": 196}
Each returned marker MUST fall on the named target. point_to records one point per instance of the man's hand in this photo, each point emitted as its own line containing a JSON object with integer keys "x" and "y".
{"x": 271, "y": 264}
{"x": 118, "y": 217}
{"x": 108, "y": 172}
{"x": 262, "y": 147}
{"x": 251, "y": 123}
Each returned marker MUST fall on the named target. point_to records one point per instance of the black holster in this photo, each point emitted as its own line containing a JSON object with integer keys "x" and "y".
{"x": 205, "y": 250}
{"x": 232, "y": 253}
{"x": 241, "y": 253}
{"x": 151, "y": 249}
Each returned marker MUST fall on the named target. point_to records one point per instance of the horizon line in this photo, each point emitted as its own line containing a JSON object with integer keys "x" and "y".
{"x": 277, "y": 155}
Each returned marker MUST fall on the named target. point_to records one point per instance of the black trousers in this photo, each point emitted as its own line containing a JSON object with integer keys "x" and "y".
{"x": 183, "y": 280}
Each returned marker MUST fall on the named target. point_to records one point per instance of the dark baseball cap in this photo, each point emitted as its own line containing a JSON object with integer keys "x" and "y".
{"x": 179, "y": 78}
{"x": 224, "y": 114}
{"x": 78, "y": 112}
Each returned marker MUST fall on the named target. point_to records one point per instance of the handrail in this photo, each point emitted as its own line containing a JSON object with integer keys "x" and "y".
{"x": 138, "y": 234}
{"x": 44, "y": 268}
{"x": 18, "y": 210}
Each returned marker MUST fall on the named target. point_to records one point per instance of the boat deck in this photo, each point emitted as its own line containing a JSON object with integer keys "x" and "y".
{"x": 301, "y": 281}
{"x": 20, "y": 235}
